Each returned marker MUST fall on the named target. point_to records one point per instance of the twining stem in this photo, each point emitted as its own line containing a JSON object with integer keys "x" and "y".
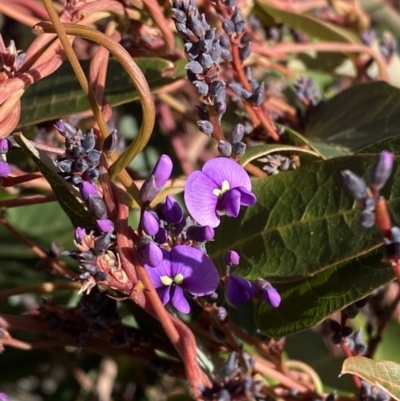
{"x": 27, "y": 200}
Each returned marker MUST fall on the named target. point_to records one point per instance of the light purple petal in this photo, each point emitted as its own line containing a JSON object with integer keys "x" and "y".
{"x": 150, "y": 223}
{"x": 239, "y": 290}
{"x": 164, "y": 293}
{"x": 163, "y": 269}
{"x": 200, "y": 274}
{"x": 3, "y": 397}
{"x": 230, "y": 203}
{"x": 105, "y": 225}
{"x": 5, "y": 169}
{"x": 87, "y": 190}
{"x": 200, "y": 199}
{"x": 162, "y": 170}
{"x": 179, "y": 300}
{"x": 271, "y": 296}
{"x": 223, "y": 169}
{"x": 247, "y": 198}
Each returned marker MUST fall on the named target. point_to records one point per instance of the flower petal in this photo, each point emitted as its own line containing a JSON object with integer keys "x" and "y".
{"x": 239, "y": 290}
{"x": 5, "y": 169}
{"x": 164, "y": 293}
{"x": 223, "y": 169}
{"x": 200, "y": 199}
{"x": 247, "y": 198}
{"x": 200, "y": 274}
{"x": 179, "y": 301}
{"x": 163, "y": 269}
{"x": 230, "y": 203}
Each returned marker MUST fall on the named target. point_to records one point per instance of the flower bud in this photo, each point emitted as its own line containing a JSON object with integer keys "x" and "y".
{"x": 170, "y": 211}
{"x": 202, "y": 88}
{"x": 268, "y": 293}
{"x": 228, "y": 26}
{"x": 4, "y": 146}
{"x": 225, "y": 148}
{"x": 148, "y": 190}
{"x": 205, "y": 60}
{"x": 105, "y": 225}
{"x": 162, "y": 170}
{"x": 245, "y": 51}
{"x": 97, "y": 207}
{"x": 161, "y": 236}
{"x": 80, "y": 234}
{"x": 150, "y": 253}
{"x": 5, "y": 169}
{"x": 366, "y": 219}
{"x": 355, "y": 185}
{"x": 111, "y": 142}
{"x": 238, "y": 290}
{"x": 150, "y": 223}
{"x": 206, "y": 127}
{"x": 200, "y": 233}
{"x": 89, "y": 142}
{"x": 88, "y": 190}
{"x": 195, "y": 67}
{"x": 205, "y": 45}
{"x": 381, "y": 170}
{"x": 239, "y": 149}
{"x": 232, "y": 258}
{"x": 237, "y": 133}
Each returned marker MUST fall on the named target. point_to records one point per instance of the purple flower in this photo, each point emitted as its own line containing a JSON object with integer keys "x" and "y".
{"x": 150, "y": 253}
{"x": 200, "y": 233}
{"x": 268, "y": 293}
{"x": 5, "y": 169}
{"x": 105, "y": 225}
{"x": 239, "y": 290}
{"x": 184, "y": 268}
{"x": 220, "y": 188}
{"x": 232, "y": 258}
{"x": 170, "y": 211}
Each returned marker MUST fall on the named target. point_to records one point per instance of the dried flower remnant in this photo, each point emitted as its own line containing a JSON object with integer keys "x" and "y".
{"x": 183, "y": 268}
{"x": 220, "y": 188}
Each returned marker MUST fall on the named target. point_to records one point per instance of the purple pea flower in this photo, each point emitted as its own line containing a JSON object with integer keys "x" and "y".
{"x": 5, "y": 169}
{"x": 239, "y": 290}
{"x": 3, "y": 397}
{"x": 220, "y": 188}
{"x": 184, "y": 268}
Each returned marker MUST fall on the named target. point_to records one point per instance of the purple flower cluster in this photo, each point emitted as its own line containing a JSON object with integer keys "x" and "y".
{"x": 5, "y": 168}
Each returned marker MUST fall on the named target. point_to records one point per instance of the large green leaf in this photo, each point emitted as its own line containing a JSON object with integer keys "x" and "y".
{"x": 307, "y": 302}
{"x": 357, "y": 117}
{"x": 310, "y": 25}
{"x": 60, "y": 94}
{"x": 384, "y": 374}
{"x": 67, "y": 196}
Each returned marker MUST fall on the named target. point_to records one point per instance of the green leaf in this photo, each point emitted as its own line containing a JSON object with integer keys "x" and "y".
{"x": 307, "y": 302}
{"x": 357, "y": 117}
{"x": 60, "y": 94}
{"x": 384, "y": 374}
{"x": 310, "y": 25}
{"x": 67, "y": 196}
{"x": 262, "y": 150}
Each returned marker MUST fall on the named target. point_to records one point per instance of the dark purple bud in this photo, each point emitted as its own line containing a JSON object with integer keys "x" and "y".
{"x": 369, "y": 204}
{"x": 162, "y": 170}
{"x": 205, "y": 24}
{"x": 97, "y": 207}
{"x": 381, "y": 170}
{"x": 334, "y": 326}
{"x": 170, "y": 211}
{"x": 4, "y": 146}
{"x": 232, "y": 258}
{"x": 176, "y": 229}
{"x": 206, "y": 127}
{"x": 202, "y": 88}
{"x": 161, "y": 236}
{"x": 210, "y": 34}
{"x": 366, "y": 219}
{"x": 94, "y": 157}
{"x": 5, "y": 169}
{"x": 231, "y": 366}
{"x": 268, "y": 293}
{"x": 65, "y": 129}
{"x": 76, "y": 180}
{"x": 150, "y": 253}
{"x": 200, "y": 233}
{"x": 196, "y": 26}
{"x": 205, "y": 45}
{"x": 202, "y": 113}
{"x": 150, "y": 223}
{"x": 239, "y": 290}
{"x": 205, "y": 60}
{"x": 245, "y": 51}
{"x": 182, "y": 29}
{"x": 79, "y": 152}
{"x": 355, "y": 185}
{"x": 180, "y": 15}
{"x": 80, "y": 166}
{"x": 259, "y": 94}
{"x": 395, "y": 234}
{"x": 217, "y": 87}
{"x": 191, "y": 50}
{"x": 88, "y": 190}
{"x": 220, "y": 108}
{"x": 225, "y": 148}
{"x": 239, "y": 149}
{"x": 89, "y": 142}
{"x": 237, "y": 88}
{"x": 237, "y": 16}
{"x": 226, "y": 55}
{"x": 148, "y": 191}
{"x": 237, "y": 133}
{"x": 248, "y": 95}
{"x": 216, "y": 53}
{"x": 239, "y": 27}
{"x": 111, "y": 142}
{"x": 274, "y": 33}
{"x": 92, "y": 174}
{"x": 65, "y": 165}
{"x": 105, "y": 225}
{"x": 194, "y": 67}
{"x": 228, "y": 26}
{"x": 346, "y": 331}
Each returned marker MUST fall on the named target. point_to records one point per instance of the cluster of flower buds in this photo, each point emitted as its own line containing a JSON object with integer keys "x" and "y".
{"x": 233, "y": 384}
{"x": 81, "y": 158}
{"x": 367, "y": 196}
{"x": 255, "y": 96}
{"x": 369, "y": 392}
{"x": 240, "y": 290}
{"x": 234, "y": 146}
{"x": 274, "y": 163}
{"x": 388, "y": 46}
{"x": 204, "y": 51}
{"x": 339, "y": 332}
{"x": 307, "y": 91}
{"x": 5, "y": 168}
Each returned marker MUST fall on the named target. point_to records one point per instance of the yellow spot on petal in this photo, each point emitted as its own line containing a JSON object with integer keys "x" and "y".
{"x": 220, "y": 191}
{"x": 178, "y": 279}
{"x": 166, "y": 280}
